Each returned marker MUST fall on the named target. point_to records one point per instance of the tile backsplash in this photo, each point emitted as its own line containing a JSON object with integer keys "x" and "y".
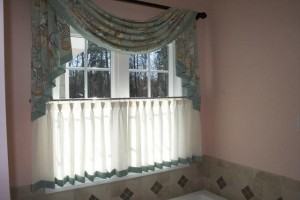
{"x": 232, "y": 181}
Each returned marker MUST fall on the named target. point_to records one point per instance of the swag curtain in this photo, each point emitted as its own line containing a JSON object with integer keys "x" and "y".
{"x": 90, "y": 139}
{"x": 51, "y": 46}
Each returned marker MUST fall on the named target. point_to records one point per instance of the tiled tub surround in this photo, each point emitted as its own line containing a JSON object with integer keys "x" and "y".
{"x": 229, "y": 180}
{"x": 238, "y": 182}
{"x": 162, "y": 185}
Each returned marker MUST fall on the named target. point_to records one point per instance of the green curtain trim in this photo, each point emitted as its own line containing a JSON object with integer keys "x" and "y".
{"x": 197, "y": 158}
{"x": 105, "y": 175}
{"x": 42, "y": 184}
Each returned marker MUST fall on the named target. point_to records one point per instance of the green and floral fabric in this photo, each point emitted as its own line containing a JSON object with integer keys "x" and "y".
{"x": 187, "y": 64}
{"x": 119, "y": 34}
{"x": 51, "y": 47}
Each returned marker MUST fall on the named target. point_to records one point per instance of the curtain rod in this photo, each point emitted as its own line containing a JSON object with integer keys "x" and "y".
{"x": 116, "y": 99}
{"x": 200, "y": 15}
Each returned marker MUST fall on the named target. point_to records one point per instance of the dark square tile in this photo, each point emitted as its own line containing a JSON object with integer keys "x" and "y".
{"x": 126, "y": 194}
{"x": 280, "y": 198}
{"x": 156, "y": 187}
{"x": 182, "y": 181}
{"x": 221, "y": 183}
{"x": 93, "y": 198}
{"x": 247, "y": 192}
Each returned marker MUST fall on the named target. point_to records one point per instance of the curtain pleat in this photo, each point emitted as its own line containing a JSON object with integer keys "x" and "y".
{"x": 90, "y": 139}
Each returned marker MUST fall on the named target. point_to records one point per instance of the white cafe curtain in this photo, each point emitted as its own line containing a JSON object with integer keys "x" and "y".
{"x": 76, "y": 140}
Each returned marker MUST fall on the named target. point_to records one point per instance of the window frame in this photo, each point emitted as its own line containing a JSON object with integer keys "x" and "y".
{"x": 119, "y": 83}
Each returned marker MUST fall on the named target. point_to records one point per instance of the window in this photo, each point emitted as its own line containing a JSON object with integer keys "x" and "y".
{"x": 111, "y": 137}
{"x": 148, "y": 74}
{"x": 96, "y": 72}
{"x": 89, "y": 73}
{"x": 99, "y": 131}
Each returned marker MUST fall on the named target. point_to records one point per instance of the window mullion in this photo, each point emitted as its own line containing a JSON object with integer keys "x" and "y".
{"x": 175, "y": 87}
{"x": 160, "y": 71}
{"x": 171, "y": 67}
{"x": 85, "y": 69}
{"x": 148, "y": 75}
{"x": 67, "y": 86}
{"x": 114, "y": 76}
{"x": 120, "y": 76}
{"x": 138, "y": 70}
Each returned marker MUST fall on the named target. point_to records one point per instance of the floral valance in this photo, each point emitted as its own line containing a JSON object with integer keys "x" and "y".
{"x": 51, "y": 46}
{"x": 119, "y": 34}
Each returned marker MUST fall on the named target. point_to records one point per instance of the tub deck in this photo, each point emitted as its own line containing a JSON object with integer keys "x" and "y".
{"x": 200, "y": 195}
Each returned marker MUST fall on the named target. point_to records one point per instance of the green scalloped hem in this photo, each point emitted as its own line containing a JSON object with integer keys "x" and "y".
{"x": 105, "y": 175}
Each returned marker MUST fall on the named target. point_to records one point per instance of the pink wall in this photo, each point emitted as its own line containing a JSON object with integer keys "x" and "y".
{"x": 251, "y": 84}
{"x": 18, "y": 55}
{"x": 250, "y": 77}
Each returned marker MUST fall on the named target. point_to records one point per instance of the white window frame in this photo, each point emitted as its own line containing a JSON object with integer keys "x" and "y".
{"x": 85, "y": 69}
{"x": 119, "y": 72}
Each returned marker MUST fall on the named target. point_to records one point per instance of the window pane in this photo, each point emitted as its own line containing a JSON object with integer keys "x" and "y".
{"x": 98, "y": 56}
{"x": 159, "y": 59}
{"x": 78, "y": 61}
{"x": 138, "y": 61}
{"x": 78, "y": 45}
{"x": 76, "y": 84}
{"x": 138, "y": 84}
{"x": 159, "y": 84}
{"x": 98, "y": 84}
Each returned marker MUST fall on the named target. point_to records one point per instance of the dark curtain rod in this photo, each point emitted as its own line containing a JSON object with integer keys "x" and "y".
{"x": 200, "y": 15}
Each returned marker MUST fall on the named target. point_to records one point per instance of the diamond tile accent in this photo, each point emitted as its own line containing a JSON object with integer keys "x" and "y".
{"x": 156, "y": 187}
{"x": 221, "y": 183}
{"x": 247, "y": 192}
{"x": 93, "y": 198}
{"x": 126, "y": 194}
{"x": 182, "y": 181}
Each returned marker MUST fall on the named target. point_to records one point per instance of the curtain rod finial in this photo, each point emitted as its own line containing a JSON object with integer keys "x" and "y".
{"x": 201, "y": 15}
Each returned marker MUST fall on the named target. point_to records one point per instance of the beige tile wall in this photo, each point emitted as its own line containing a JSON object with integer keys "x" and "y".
{"x": 202, "y": 175}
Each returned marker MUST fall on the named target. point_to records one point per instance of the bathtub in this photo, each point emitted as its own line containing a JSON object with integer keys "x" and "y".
{"x": 201, "y": 195}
